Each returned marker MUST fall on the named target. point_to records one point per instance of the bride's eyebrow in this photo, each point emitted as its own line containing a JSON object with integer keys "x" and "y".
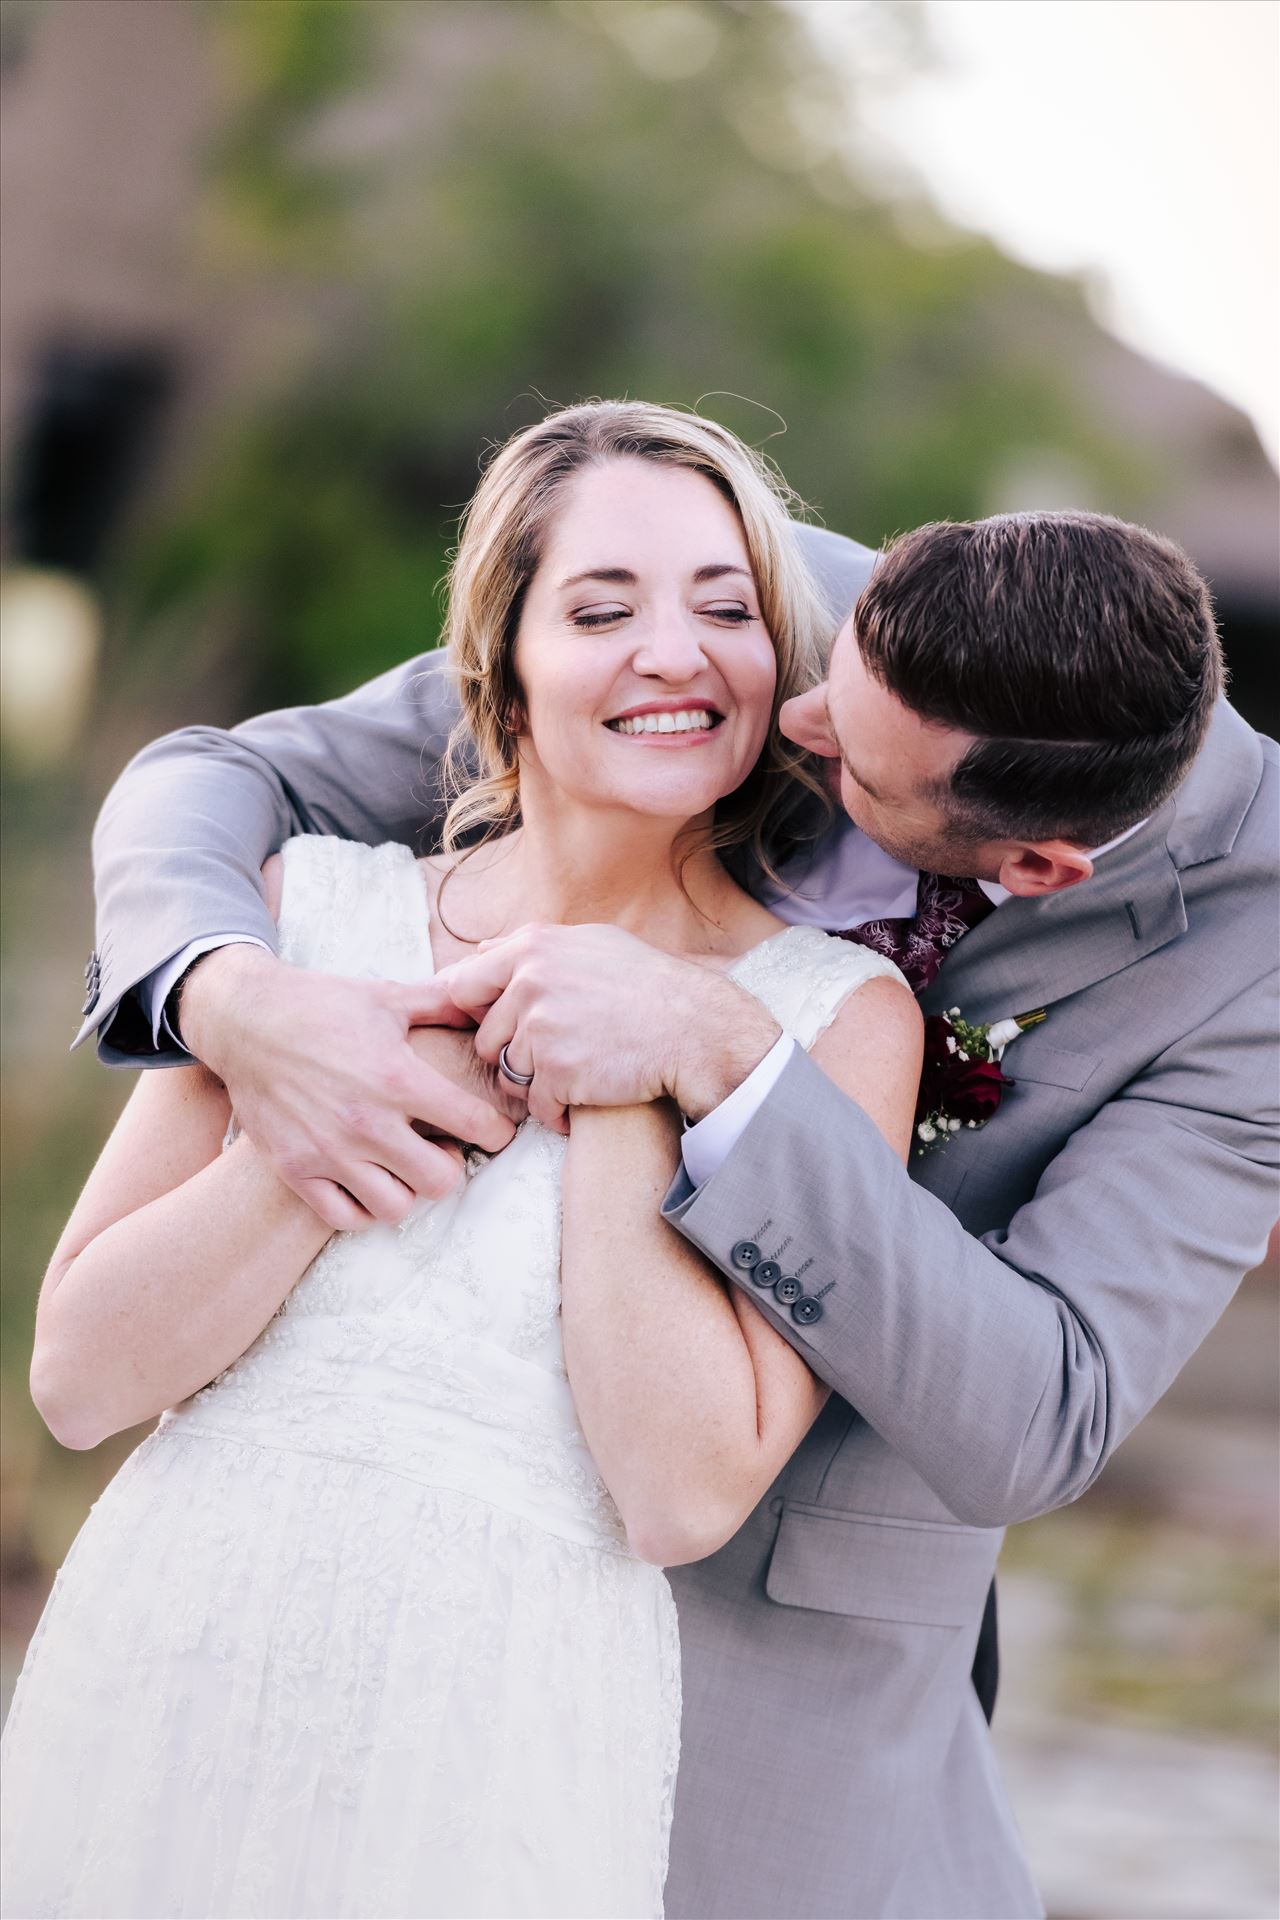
{"x": 719, "y": 572}
{"x": 623, "y": 577}
{"x": 615, "y": 576}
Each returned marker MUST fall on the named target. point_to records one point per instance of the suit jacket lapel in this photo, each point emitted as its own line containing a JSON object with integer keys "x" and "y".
{"x": 1031, "y": 953}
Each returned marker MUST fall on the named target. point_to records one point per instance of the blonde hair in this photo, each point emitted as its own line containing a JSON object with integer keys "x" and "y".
{"x": 502, "y": 540}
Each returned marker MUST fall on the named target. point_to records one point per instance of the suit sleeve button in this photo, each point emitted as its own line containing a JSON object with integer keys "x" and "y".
{"x": 92, "y": 983}
{"x": 767, "y": 1274}
{"x": 788, "y": 1290}
{"x": 745, "y": 1255}
{"x": 805, "y": 1311}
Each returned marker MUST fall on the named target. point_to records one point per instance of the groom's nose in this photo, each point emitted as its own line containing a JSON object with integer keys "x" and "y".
{"x": 804, "y": 719}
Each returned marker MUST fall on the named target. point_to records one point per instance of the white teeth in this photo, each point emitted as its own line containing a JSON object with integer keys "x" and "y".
{"x": 687, "y": 720}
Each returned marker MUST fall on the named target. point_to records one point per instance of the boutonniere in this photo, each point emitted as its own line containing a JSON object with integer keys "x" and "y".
{"x": 961, "y": 1081}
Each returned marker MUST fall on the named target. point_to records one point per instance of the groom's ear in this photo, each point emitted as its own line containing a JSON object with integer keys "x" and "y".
{"x": 1047, "y": 867}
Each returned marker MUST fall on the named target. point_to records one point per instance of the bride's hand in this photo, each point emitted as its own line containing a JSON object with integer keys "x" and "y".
{"x": 452, "y": 1052}
{"x": 324, "y": 1078}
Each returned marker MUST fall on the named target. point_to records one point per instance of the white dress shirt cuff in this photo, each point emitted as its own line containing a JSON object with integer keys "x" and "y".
{"x": 706, "y": 1146}
{"x": 156, "y": 988}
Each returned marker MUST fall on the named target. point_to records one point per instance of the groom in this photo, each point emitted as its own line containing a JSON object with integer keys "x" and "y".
{"x": 1034, "y": 702}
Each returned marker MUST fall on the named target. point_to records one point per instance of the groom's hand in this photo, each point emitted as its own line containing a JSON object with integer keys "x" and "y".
{"x": 328, "y": 1077}
{"x": 602, "y": 1020}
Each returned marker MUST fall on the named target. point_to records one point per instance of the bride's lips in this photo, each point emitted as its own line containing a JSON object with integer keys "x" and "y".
{"x": 666, "y": 723}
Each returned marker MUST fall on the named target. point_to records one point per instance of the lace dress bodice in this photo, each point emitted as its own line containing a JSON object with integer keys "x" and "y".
{"x": 434, "y": 1348}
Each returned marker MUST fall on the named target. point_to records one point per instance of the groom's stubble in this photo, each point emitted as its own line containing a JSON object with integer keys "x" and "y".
{"x": 886, "y": 764}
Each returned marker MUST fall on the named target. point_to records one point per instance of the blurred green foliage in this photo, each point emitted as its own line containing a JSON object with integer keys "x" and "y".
{"x": 507, "y": 211}
{"x": 285, "y": 63}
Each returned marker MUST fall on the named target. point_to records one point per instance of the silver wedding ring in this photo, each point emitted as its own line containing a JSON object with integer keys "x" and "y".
{"x": 508, "y": 1071}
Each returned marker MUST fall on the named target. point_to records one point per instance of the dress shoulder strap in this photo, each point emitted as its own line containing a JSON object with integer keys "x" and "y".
{"x": 355, "y": 910}
{"x": 804, "y": 976}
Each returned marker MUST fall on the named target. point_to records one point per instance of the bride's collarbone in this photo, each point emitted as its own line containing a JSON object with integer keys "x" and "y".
{"x": 735, "y": 936}
{"x": 723, "y": 960}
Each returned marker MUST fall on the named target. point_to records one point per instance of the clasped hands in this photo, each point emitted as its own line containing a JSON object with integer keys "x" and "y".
{"x": 362, "y": 1093}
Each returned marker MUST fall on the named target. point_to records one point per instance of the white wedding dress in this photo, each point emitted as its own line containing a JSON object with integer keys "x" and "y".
{"x": 356, "y": 1630}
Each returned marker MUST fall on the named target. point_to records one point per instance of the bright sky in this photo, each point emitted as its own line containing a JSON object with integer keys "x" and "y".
{"x": 1136, "y": 140}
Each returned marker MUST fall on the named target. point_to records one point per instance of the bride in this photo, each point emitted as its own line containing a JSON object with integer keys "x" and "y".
{"x": 375, "y": 1623}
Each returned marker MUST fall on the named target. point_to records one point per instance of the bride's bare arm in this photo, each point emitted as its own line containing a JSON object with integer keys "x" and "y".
{"x": 174, "y": 1259}
{"x": 690, "y": 1401}
{"x": 176, "y": 1254}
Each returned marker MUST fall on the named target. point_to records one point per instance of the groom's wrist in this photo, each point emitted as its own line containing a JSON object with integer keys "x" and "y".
{"x": 722, "y": 1041}
{"x": 213, "y": 983}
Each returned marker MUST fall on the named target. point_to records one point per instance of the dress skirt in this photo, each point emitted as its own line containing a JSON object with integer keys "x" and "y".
{"x": 271, "y": 1683}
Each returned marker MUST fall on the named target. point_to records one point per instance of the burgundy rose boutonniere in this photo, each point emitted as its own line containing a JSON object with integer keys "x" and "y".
{"x": 962, "y": 1082}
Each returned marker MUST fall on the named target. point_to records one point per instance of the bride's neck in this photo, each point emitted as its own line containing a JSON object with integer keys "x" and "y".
{"x": 614, "y": 868}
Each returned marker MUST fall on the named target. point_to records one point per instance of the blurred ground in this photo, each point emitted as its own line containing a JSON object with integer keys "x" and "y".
{"x": 1137, "y": 1713}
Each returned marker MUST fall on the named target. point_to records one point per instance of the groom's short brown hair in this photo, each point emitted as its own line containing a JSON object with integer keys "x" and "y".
{"x": 1081, "y": 651}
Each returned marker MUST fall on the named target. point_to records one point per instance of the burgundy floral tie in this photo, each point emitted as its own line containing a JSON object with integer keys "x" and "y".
{"x": 945, "y": 910}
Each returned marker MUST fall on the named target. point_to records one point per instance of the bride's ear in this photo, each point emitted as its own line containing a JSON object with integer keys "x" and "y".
{"x": 1049, "y": 866}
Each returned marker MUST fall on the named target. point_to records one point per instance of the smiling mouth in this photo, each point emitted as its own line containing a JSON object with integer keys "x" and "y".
{"x": 687, "y": 720}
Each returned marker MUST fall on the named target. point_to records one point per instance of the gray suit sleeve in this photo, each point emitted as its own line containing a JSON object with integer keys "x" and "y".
{"x": 1007, "y": 1369}
{"x": 183, "y": 833}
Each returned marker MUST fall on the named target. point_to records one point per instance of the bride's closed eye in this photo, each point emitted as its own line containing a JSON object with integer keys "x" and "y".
{"x": 736, "y": 615}
{"x": 588, "y": 620}
{"x": 600, "y": 617}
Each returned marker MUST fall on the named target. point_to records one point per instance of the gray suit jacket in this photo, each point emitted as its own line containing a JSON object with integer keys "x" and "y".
{"x": 995, "y": 1321}
{"x": 994, "y": 1324}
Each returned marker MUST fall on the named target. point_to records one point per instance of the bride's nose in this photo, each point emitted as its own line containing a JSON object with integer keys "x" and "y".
{"x": 671, "y": 649}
